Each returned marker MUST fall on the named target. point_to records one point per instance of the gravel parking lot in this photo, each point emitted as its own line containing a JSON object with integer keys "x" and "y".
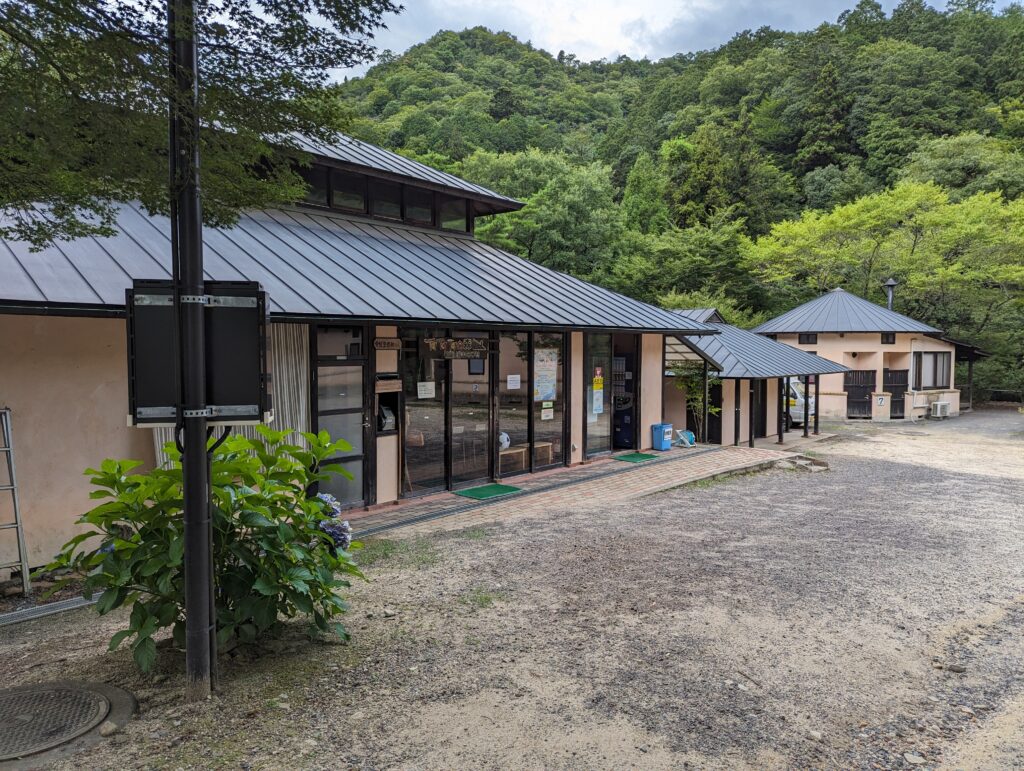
{"x": 867, "y": 617}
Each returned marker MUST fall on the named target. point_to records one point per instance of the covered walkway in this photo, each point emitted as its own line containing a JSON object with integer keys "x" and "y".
{"x": 605, "y": 481}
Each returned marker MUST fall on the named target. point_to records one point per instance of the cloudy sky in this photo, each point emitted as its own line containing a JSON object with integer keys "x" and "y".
{"x": 595, "y": 29}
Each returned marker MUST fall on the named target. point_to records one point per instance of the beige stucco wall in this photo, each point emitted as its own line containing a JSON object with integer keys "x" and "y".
{"x": 576, "y": 395}
{"x": 865, "y": 351}
{"x": 651, "y": 375}
{"x": 66, "y": 382}
{"x": 673, "y": 404}
{"x": 729, "y": 390}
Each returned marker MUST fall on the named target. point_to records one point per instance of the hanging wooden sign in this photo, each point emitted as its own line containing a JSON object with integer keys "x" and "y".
{"x": 387, "y": 344}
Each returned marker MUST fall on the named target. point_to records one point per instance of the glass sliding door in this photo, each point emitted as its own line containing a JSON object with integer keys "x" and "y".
{"x": 424, "y": 385}
{"x": 597, "y": 384}
{"x": 470, "y": 416}
{"x": 341, "y": 407}
{"x": 548, "y": 400}
{"x": 513, "y": 403}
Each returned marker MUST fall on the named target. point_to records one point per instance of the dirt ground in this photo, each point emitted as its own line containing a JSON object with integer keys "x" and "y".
{"x": 868, "y": 617}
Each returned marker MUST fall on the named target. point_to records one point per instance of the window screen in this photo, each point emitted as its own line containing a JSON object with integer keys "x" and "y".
{"x": 385, "y": 199}
{"x": 452, "y": 215}
{"x": 808, "y": 338}
{"x": 888, "y": 338}
{"x": 419, "y": 206}
{"x": 316, "y": 178}
{"x": 348, "y": 191}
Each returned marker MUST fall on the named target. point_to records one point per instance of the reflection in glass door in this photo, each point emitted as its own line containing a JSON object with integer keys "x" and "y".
{"x": 513, "y": 403}
{"x": 340, "y": 407}
{"x": 597, "y": 377}
{"x": 471, "y": 417}
{"x": 424, "y": 380}
{"x": 548, "y": 408}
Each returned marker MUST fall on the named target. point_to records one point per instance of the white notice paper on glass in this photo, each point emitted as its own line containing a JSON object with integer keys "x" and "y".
{"x": 598, "y": 408}
{"x": 547, "y": 414}
{"x": 514, "y": 383}
{"x": 426, "y": 389}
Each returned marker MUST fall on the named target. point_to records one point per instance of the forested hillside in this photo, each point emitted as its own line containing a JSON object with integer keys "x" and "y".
{"x": 752, "y": 176}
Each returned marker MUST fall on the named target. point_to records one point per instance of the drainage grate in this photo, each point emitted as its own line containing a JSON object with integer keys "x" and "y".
{"x": 35, "y": 718}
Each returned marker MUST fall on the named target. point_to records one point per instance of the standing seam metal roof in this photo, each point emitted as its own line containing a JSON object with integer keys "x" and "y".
{"x": 841, "y": 311}
{"x": 373, "y": 158}
{"x": 743, "y": 354}
{"x": 321, "y": 264}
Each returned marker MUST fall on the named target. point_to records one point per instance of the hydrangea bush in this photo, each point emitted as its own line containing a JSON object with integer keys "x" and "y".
{"x": 278, "y": 551}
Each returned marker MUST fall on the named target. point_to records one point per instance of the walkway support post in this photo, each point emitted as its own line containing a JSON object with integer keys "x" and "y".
{"x": 817, "y": 403}
{"x": 707, "y": 397}
{"x": 789, "y": 414}
{"x": 750, "y": 421}
{"x": 780, "y": 415}
{"x": 807, "y": 405}
{"x": 189, "y": 298}
{"x": 737, "y": 400}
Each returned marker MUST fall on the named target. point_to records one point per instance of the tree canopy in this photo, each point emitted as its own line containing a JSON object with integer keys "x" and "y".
{"x": 84, "y": 88}
{"x": 776, "y": 166}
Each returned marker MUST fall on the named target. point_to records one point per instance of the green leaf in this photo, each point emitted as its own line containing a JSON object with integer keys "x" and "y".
{"x": 265, "y": 586}
{"x": 144, "y": 654}
{"x": 119, "y": 638}
{"x": 176, "y": 550}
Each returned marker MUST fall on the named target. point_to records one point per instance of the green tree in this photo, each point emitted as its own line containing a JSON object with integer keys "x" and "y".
{"x": 825, "y": 141}
{"x": 966, "y": 164}
{"x": 643, "y": 202}
{"x": 572, "y": 225}
{"x": 83, "y": 94}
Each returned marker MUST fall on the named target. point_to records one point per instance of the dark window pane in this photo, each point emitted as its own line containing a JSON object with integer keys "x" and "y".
{"x": 513, "y": 403}
{"x": 452, "y": 214}
{"x": 548, "y": 401}
{"x": 339, "y": 342}
{"x": 888, "y": 338}
{"x": 419, "y": 206}
{"x": 385, "y": 199}
{"x": 339, "y": 388}
{"x": 347, "y": 491}
{"x": 808, "y": 338}
{"x": 347, "y": 426}
{"x": 348, "y": 191}
{"x": 316, "y": 178}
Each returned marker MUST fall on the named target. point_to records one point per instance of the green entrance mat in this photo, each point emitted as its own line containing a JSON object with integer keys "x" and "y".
{"x": 635, "y": 457}
{"x": 484, "y": 492}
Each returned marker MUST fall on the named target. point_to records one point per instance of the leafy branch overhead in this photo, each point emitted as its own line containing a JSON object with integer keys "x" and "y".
{"x": 84, "y": 86}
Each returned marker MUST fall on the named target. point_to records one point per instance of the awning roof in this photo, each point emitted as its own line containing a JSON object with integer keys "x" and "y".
{"x": 841, "y": 311}
{"x": 746, "y": 355}
{"x": 370, "y": 159}
{"x": 322, "y": 264}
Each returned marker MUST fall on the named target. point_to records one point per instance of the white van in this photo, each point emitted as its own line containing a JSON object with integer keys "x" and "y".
{"x": 796, "y": 404}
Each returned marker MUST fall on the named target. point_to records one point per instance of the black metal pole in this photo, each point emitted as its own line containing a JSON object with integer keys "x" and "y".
{"x": 707, "y": 398}
{"x": 200, "y": 640}
{"x": 780, "y": 416}
{"x": 807, "y": 405}
{"x": 737, "y": 399}
{"x": 817, "y": 403}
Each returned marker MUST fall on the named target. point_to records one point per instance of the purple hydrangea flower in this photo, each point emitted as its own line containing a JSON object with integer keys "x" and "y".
{"x": 339, "y": 531}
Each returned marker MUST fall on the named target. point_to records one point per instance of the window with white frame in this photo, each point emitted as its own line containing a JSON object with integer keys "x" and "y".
{"x": 931, "y": 370}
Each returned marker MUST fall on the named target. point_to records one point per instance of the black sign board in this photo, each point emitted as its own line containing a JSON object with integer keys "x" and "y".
{"x": 237, "y": 377}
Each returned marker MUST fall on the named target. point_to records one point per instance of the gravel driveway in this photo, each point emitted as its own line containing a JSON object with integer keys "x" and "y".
{"x": 867, "y": 617}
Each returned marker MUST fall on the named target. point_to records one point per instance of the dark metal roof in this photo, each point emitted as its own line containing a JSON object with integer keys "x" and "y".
{"x": 701, "y": 314}
{"x": 743, "y": 354}
{"x": 964, "y": 351}
{"x": 681, "y": 348}
{"x": 370, "y": 158}
{"x": 323, "y": 264}
{"x": 840, "y": 311}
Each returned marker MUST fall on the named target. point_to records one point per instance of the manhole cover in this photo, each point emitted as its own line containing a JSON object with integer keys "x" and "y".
{"x": 34, "y": 718}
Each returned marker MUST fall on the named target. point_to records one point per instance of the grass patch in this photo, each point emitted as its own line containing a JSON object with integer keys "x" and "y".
{"x": 471, "y": 533}
{"x": 411, "y": 553}
{"x": 480, "y": 598}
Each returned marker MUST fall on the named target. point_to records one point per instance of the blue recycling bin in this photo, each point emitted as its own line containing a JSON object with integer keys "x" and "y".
{"x": 661, "y": 436}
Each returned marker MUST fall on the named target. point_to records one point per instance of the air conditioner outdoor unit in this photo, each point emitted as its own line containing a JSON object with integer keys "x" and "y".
{"x": 940, "y": 409}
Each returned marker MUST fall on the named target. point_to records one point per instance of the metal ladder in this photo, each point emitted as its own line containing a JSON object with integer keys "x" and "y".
{"x": 7, "y": 450}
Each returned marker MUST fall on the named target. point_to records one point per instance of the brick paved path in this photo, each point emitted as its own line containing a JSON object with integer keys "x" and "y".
{"x": 599, "y": 483}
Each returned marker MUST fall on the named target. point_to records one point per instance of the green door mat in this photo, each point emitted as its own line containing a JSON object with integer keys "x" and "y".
{"x": 635, "y": 457}
{"x": 484, "y": 492}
